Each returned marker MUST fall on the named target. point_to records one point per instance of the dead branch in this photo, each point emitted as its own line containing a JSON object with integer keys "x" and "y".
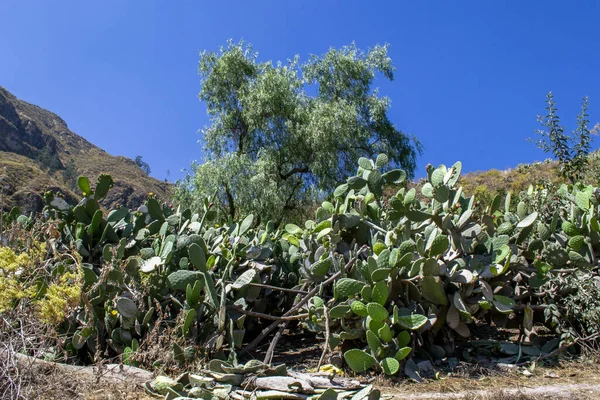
{"x": 326, "y": 346}
{"x": 295, "y": 308}
{"x": 266, "y": 316}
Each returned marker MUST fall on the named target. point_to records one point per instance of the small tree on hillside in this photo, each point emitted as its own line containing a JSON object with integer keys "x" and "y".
{"x": 142, "y": 164}
{"x": 570, "y": 150}
{"x": 280, "y": 135}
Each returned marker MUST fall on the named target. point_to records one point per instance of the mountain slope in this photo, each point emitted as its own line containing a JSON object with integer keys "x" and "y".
{"x": 38, "y": 152}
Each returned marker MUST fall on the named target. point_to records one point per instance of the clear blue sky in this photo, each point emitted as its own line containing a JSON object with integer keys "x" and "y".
{"x": 471, "y": 75}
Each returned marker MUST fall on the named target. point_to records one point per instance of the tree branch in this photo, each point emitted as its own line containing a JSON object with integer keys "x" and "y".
{"x": 230, "y": 201}
{"x": 304, "y": 300}
{"x": 294, "y": 171}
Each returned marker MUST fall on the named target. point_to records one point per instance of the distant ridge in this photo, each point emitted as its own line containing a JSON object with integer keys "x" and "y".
{"x": 38, "y": 153}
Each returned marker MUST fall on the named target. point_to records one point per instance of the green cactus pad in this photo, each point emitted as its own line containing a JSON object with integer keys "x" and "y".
{"x": 418, "y": 216}
{"x": 441, "y": 193}
{"x": 453, "y": 175}
{"x": 317, "y": 302}
{"x": 358, "y": 360}
{"x": 154, "y": 209}
{"x": 395, "y": 176}
{"x": 147, "y": 252}
{"x": 320, "y": 268}
{"x": 380, "y": 274}
{"x": 192, "y": 293}
{"x": 373, "y": 325}
{"x": 197, "y": 257}
{"x": 501, "y": 254}
{"x": 179, "y": 280}
{"x": 412, "y": 322}
{"x": 403, "y": 338}
{"x": 427, "y": 190}
{"x": 379, "y": 247}
{"x": 578, "y": 260}
{"x": 410, "y": 197}
{"x": 377, "y": 312}
{"x": 390, "y": 366}
{"x": 103, "y": 185}
{"x": 385, "y": 333}
{"x": 365, "y": 293}
{"x": 162, "y": 384}
{"x": 244, "y": 279}
{"x": 433, "y": 290}
{"x": 380, "y": 292}
{"x": 359, "y": 308}
{"x": 503, "y": 304}
{"x": 84, "y": 185}
{"x": 543, "y": 230}
{"x": 127, "y": 307}
{"x": 556, "y": 255}
{"x": 374, "y": 342}
{"x": 505, "y": 228}
{"x": 582, "y": 199}
{"x": 402, "y": 353}
{"x": 522, "y": 210}
{"x": 528, "y": 220}
{"x": 439, "y": 246}
{"x": 576, "y": 242}
{"x": 356, "y": 183}
{"x": 430, "y": 267}
{"x": 190, "y": 317}
{"x": 347, "y": 287}
{"x": 352, "y": 334}
{"x": 569, "y": 228}
{"x": 437, "y": 177}
{"x": 339, "y": 311}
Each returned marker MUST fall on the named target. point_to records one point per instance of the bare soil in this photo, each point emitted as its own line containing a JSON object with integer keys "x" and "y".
{"x": 571, "y": 380}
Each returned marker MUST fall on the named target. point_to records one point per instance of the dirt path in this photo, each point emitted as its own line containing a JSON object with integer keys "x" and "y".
{"x": 576, "y": 381}
{"x": 575, "y": 391}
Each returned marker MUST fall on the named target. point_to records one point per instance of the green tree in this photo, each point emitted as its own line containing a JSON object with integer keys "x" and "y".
{"x": 282, "y": 135}
{"x": 570, "y": 150}
{"x": 142, "y": 164}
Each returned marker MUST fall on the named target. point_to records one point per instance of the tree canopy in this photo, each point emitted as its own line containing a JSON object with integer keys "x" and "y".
{"x": 281, "y": 135}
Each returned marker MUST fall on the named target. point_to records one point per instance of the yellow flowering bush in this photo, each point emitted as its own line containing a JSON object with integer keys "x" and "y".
{"x": 16, "y": 270}
{"x": 60, "y": 296}
{"x": 11, "y": 288}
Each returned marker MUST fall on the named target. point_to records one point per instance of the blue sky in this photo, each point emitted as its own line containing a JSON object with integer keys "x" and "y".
{"x": 471, "y": 75}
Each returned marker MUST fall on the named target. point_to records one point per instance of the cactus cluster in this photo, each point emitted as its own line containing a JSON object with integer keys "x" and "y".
{"x": 136, "y": 263}
{"x": 440, "y": 261}
{"x": 387, "y": 278}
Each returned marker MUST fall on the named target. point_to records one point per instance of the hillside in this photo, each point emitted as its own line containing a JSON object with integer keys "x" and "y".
{"x": 487, "y": 184}
{"x": 38, "y": 152}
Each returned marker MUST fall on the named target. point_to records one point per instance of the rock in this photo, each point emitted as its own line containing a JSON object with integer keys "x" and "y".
{"x": 425, "y": 369}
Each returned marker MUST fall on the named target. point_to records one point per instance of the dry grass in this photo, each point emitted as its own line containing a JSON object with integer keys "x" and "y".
{"x": 24, "y": 378}
{"x": 467, "y": 381}
{"x": 553, "y": 383}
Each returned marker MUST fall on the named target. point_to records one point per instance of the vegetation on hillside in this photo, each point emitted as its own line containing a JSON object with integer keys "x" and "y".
{"x": 573, "y": 160}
